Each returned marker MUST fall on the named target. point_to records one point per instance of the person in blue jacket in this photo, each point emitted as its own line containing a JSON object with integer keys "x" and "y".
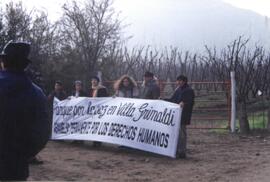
{"x": 24, "y": 126}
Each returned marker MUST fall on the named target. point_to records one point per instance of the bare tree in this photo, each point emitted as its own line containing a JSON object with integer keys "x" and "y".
{"x": 248, "y": 67}
{"x": 17, "y": 22}
{"x": 2, "y": 32}
{"x": 89, "y": 37}
{"x": 91, "y": 30}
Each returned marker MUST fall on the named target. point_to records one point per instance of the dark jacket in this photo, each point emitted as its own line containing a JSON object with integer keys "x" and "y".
{"x": 81, "y": 93}
{"x": 184, "y": 94}
{"x": 102, "y": 92}
{"x": 150, "y": 90}
{"x": 24, "y": 127}
{"x": 59, "y": 95}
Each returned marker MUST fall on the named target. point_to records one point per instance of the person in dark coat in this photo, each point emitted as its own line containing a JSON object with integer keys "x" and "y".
{"x": 78, "y": 92}
{"x": 97, "y": 90}
{"x": 58, "y": 92}
{"x": 184, "y": 96}
{"x": 24, "y": 126}
{"x": 150, "y": 88}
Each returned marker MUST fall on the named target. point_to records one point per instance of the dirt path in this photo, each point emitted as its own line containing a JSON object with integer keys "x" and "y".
{"x": 211, "y": 157}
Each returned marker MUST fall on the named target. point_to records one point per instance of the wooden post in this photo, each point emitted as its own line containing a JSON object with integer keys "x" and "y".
{"x": 233, "y": 102}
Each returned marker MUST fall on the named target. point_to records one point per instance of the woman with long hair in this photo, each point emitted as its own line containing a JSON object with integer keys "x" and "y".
{"x": 127, "y": 87}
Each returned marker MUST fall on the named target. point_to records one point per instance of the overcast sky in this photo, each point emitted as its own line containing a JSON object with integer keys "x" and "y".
{"x": 130, "y": 6}
{"x": 260, "y": 6}
{"x": 190, "y": 23}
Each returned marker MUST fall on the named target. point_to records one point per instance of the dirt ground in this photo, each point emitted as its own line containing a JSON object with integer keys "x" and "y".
{"x": 212, "y": 156}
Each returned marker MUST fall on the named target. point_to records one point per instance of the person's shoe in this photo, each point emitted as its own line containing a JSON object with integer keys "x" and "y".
{"x": 182, "y": 156}
{"x": 35, "y": 161}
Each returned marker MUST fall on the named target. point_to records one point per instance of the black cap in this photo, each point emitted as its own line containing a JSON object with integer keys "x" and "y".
{"x": 148, "y": 74}
{"x": 16, "y": 54}
{"x": 182, "y": 77}
{"x": 18, "y": 50}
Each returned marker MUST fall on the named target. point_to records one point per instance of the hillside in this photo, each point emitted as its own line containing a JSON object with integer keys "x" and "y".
{"x": 190, "y": 24}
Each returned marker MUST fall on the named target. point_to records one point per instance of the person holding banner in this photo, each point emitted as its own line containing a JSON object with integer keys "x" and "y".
{"x": 184, "y": 96}
{"x": 24, "y": 126}
{"x": 97, "y": 90}
{"x": 78, "y": 92}
{"x": 58, "y": 92}
{"x": 150, "y": 88}
{"x": 127, "y": 87}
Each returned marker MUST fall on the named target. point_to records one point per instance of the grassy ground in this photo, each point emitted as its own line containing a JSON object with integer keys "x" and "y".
{"x": 258, "y": 120}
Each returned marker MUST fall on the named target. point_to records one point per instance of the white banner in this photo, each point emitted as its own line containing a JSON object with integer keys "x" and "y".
{"x": 150, "y": 125}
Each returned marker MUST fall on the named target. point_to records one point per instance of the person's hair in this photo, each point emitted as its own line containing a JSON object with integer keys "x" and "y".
{"x": 78, "y": 82}
{"x": 148, "y": 74}
{"x": 182, "y": 77}
{"x": 59, "y": 82}
{"x": 95, "y": 78}
{"x": 119, "y": 83}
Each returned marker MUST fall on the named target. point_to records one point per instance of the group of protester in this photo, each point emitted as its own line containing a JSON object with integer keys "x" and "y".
{"x": 24, "y": 116}
{"x": 127, "y": 87}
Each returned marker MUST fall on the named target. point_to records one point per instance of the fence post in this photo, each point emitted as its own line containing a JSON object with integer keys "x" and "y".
{"x": 233, "y": 102}
{"x": 99, "y": 75}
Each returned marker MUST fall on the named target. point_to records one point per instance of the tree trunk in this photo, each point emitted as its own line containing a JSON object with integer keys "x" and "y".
{"x": 243, "y": 119}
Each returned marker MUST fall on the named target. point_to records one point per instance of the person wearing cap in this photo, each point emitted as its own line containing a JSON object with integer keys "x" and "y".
{"x": 150, "y": 88}
{"x": 184, "y": 96}
{"x": 24, "y": 126}
{"x": 78, "y": 92}
{"x": 97, "y": 90}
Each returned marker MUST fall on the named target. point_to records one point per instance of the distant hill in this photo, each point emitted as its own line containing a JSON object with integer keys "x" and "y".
{"x": 190, "y": 24}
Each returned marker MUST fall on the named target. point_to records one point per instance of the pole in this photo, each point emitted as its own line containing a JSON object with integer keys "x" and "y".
{"x": 99, "y": 75}
{"x": 233, "y": 102}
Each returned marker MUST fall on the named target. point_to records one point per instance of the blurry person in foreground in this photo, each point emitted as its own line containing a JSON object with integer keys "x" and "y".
{"x": 24, "y": 126}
